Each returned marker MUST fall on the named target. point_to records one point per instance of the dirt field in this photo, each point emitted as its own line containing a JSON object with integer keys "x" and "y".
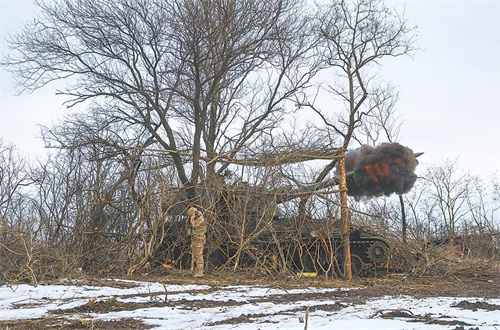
{"x": 367, "y": 288}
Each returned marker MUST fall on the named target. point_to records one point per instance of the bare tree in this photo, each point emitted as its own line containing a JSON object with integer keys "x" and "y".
{"x": 484, "y": 204}
{"x": 356, "y": 37}
{"x": 13, "y": 177}
{"x": 202, "y": 78}
{"x": 449, "y": 193}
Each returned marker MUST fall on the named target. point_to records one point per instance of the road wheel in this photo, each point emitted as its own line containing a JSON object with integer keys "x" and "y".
{"x": 356, "y": 265}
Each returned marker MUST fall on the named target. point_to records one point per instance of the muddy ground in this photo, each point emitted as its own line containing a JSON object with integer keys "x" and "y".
{"x": 485, "y": 286}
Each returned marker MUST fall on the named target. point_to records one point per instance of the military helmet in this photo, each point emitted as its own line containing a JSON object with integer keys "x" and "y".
{"x": 192, "y": 210}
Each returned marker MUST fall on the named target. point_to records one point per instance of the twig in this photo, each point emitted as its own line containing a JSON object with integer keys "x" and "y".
{"x": 307, "y": 318}
{"x": 166, "y": 292}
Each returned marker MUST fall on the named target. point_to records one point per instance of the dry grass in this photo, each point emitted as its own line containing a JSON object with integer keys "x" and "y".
{"x": 24, "y": 260}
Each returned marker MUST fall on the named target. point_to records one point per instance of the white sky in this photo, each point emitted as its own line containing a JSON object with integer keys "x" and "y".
{"x": 450, "y": 90}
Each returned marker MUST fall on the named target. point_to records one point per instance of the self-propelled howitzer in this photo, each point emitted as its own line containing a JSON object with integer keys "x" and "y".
{"x": 248, "y": 227}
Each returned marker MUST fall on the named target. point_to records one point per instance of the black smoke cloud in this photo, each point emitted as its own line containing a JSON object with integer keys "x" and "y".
{"x": 384, "y": 170}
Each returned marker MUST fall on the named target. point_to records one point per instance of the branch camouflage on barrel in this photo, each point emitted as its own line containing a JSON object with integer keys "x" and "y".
{"x": 386, "y": 169}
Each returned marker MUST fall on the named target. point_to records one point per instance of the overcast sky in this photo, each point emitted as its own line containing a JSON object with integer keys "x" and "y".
{"x": 450, "y": 89}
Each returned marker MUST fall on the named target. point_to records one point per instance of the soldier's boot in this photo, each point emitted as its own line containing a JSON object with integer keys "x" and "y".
{"x": 198, "y": 270}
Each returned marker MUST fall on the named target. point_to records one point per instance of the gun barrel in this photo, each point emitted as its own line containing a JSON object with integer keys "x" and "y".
{"x": 418, "y": 154}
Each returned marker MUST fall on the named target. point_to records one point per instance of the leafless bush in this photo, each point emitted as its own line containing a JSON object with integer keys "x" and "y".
{"x": 24, "y": 259}
{"x": 445, "y": 257}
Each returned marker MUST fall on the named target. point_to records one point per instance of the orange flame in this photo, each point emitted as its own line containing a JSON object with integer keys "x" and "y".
{"x": 378, "y": 171}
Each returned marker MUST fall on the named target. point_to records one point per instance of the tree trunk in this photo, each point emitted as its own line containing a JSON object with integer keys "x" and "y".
{"x": 403, "y": 217}
{"x": 345, "y": 216}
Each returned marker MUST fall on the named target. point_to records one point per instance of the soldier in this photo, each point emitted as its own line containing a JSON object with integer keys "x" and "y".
{"x": 198, "y": 239}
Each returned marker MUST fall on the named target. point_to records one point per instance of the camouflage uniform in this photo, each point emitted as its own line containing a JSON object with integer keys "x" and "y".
{"x": 198, "y": 239}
